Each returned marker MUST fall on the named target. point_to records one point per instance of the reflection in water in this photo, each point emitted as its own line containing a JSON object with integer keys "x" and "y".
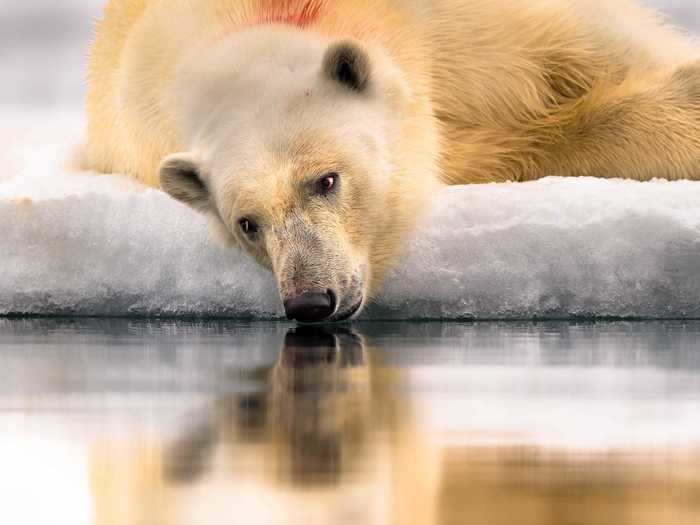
{"x": 309, "y": 412}
{"x": 320, "y": 400}
{"x": 316, "y": 437}
{"x": 221, "y": 423}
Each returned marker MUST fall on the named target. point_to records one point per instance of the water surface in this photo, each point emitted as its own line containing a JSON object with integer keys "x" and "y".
{"x": 164, "y": 422}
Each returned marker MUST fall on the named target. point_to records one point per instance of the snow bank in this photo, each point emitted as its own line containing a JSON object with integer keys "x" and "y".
{"x": 555, "y": 248}
{"x": 77, "y": 243}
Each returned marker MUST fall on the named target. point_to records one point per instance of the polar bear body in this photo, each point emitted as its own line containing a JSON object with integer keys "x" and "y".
{"x": 313, "y": 132}
{"x": 485, "y": 64}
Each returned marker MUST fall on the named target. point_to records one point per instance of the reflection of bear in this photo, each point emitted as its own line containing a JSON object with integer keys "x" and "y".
{"x": 312, "y": 132}
{"x": 321, "y": 428}
{"x": 314, "y": 415}
{"x": 321, "y": 405}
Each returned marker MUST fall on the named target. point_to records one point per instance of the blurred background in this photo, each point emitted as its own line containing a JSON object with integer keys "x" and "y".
{"x": 43, "y": 47}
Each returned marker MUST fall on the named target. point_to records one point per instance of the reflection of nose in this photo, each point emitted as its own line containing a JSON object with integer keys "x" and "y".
{"x": 309, "y": 307}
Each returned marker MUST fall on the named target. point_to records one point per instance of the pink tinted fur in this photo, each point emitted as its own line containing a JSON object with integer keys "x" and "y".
{"x": 300, "y": 13}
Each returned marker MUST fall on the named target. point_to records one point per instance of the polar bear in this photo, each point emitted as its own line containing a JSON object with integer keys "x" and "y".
{"x": 314, "y": 132}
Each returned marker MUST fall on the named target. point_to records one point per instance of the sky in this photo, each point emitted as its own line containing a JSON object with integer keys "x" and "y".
{"x": 43, "y": 47}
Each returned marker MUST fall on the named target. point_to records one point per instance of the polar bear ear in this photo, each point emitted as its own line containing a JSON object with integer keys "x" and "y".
{"x": 181, "y": 177}
{"x": 347, "y": 63}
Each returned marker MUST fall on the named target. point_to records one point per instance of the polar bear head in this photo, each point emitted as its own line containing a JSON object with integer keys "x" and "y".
{"x": 301, "y": 149}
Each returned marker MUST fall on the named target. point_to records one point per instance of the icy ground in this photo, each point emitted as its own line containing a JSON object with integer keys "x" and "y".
{"x": 78, "y": 243}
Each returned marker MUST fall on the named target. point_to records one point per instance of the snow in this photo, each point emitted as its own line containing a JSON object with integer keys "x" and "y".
{"x": 555, "y": 248}
{"x": 79, "y": 243}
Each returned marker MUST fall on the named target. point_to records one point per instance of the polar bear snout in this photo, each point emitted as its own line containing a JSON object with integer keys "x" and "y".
{"x": 320, "y": 274}
{"x": 310, "y": 307}
{"x": 306, "y": 298}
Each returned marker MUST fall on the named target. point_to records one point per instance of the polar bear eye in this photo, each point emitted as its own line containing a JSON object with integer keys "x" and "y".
{"x": 327, "y": 183}
{"x": 248, "y": 227}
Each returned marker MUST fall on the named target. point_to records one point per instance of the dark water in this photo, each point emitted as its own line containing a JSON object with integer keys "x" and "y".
{"x": 145, "y": 422}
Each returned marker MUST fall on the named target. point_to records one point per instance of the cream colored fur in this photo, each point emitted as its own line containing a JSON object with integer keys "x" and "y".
{"x": 460, "y": 91}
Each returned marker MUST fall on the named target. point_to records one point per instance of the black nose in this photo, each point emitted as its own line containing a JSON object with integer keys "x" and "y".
{"x": 310, "y": 307}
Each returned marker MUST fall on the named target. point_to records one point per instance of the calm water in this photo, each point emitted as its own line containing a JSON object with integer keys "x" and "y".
{"x": 162, "y": 423}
